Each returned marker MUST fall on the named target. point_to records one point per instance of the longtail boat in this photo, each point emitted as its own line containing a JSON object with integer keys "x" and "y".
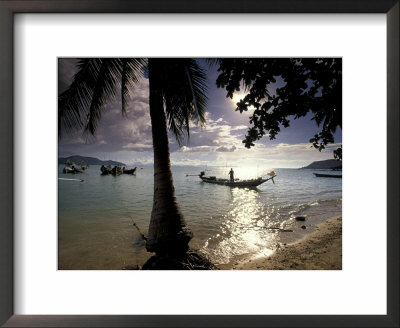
{"x": 236, "y": 182}
{"x": 131, "y": 171}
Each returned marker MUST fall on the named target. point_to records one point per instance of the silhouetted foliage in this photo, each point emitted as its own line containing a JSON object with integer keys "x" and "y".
{"x": 177, "y": 95}
{"x": 282, "y": 88}
{"x": 98, "y": 81}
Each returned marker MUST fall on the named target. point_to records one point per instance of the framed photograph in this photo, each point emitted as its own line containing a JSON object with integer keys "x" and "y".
{"x": 226, "y": 199}
{"x": 259, "y": 93}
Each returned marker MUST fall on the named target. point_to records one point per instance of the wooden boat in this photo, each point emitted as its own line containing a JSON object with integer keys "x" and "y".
{"x": 116, "y": 170}
{"x": 106, "y": 170}
{"x": 68, "y": 169}
{"x": 320, "y": 175}
{"x": 71, "y": 168}
{"x": 131, "y": 171}
{"x": 236, "y": 183}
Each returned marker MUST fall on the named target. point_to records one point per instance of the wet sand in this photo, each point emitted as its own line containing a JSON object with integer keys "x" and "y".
{"x": 320, "y": 250}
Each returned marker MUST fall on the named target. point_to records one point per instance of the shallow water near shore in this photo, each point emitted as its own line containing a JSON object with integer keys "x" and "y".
{"x": 95, "y": 222}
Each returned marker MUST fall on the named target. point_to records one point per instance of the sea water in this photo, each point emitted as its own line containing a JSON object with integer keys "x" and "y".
{"x": 96, "y": 217}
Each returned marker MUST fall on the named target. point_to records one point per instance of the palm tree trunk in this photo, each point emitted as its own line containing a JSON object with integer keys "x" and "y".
{"x": 167, "y": 231}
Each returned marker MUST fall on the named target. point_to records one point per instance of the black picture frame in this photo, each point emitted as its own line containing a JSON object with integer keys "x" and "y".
{"x": 10, "y": 7}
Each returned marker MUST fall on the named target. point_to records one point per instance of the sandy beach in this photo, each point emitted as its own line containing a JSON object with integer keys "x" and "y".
{"x": 320, "y": 250}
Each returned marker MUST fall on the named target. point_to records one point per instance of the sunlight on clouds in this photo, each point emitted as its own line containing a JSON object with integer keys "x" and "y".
{"x": 238, "y": 96}
{"x": 199, "y": 149}
{"x": 280, "y": 155}
{"x": 140, "y": 146}
{"x": 225, "y": 142}
{"x": 219, "y": 142}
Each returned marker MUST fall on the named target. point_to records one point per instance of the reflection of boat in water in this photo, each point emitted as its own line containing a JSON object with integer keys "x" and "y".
{"x": 130, "y": 171}
{"x": 321, "y": 175}
{"x": 236, "y": 182}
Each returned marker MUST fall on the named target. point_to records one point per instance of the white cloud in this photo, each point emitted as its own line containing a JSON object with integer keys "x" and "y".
{"x": 279, "y": 155}
{"x": 218, "y": 143}
{"x": 225, "y": 149}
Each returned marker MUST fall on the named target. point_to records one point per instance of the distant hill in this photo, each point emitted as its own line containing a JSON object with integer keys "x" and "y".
{"x": 327, "y": 164}
{"x": 87, "y": 160}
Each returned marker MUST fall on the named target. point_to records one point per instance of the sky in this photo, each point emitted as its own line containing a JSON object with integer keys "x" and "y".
{"x": 218, "y": 143}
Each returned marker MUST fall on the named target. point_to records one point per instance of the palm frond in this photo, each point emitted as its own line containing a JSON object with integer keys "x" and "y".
{"x": 183, "y": 85}
{"x": 212, "y": 62}
{"x": 124, "y": 86}
{"x": 184, "y": 91}
{"x": 132, "y": 71}
{"x": 73, "y": 102}
{"x": 95, "y": 83}
{"x": 104, "y": 90}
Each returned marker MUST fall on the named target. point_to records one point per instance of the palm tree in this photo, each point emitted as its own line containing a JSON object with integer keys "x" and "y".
{"x": 177, "y": 95}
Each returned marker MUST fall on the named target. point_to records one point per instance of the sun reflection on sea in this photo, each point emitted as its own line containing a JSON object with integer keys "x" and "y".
{"x": 244, "y": 229}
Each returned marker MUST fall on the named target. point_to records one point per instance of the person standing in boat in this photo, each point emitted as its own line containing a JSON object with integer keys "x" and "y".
{"x": 231, "y": 175}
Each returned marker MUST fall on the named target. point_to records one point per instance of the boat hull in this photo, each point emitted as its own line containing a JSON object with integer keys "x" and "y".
{"x": 131, "y": 171}
{"x": 71, "y": 170}
{"x": 241, "y": 184}
{"x": 320, "y": 175}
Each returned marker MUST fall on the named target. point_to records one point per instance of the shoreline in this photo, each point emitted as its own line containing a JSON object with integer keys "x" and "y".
{"x": 319, "y": 250}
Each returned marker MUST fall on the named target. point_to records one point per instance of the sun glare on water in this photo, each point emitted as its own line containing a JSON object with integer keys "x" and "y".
{"x": 243, "y": 229}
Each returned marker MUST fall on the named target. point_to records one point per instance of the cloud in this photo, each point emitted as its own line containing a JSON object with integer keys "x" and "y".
{"x": 115, "y": 133}
{"x": 66, "y": 71}
{"x": 273, "y": 156}
{"x": 120, "y": 135}
{"x": 138, "y": 147}
{"x": 225, "y": 149}
{"x": 129, "y": 139}
{"x": 199, "y": 149}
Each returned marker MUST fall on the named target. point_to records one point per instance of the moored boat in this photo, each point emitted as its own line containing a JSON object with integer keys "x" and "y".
{"x": 106, "y": 170}
{"x": 116, "y": 170}
{"x": 236, "y": 182}
{"x": 130, "y": 171}
{"x": 68, "y": 169}
{"x": 321, "y": 175}
{"x": 71, "y": 168}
